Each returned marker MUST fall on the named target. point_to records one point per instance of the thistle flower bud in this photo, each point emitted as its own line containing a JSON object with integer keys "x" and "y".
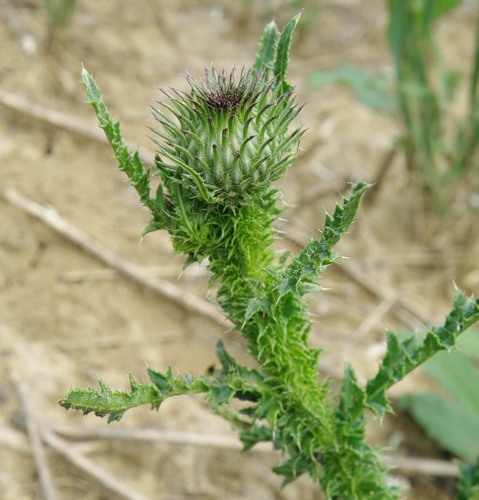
{"x": 228, "y": 137}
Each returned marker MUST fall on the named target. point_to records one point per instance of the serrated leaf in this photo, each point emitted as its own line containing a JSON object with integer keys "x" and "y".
{"x": 351, "y": 400}
{"x": 220, "y": 395}
{"x": 227, "y": 361}
{"x": 267, "y": 49}
{"x": 255, "y": 435}
{"x": 162, "y": 381}
{"x": 301, "y": 275}
{"x": 255, "y": 306}
{"x": 392, "y": 369}
{"x": 282, "y": 53}
{"x": 138, "y": 175}
{"x": 171, "y": 385}
{"x": 107, "y": 401}
{"x": 337, "y": 225}
{"x": 404, "y": 356}
{"x": 293, "y": 468}
{"x": 452, "y": 420}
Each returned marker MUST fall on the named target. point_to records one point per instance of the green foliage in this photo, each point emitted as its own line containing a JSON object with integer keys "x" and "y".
{"x": 273, "y": 52}
{"x": 282, "y": 53}
{"x": 468, "y": 485}
{"x": 233, "y": 380}
{"x": 138, "y": 175}
{"x": 210, "y": 144}
{"x": 266, "y": 53}
{"x": 451, "y": 419}
{"x": 402, "y": 357}
{"x": 252, "y": 12}
{"x": 421, "y": 95}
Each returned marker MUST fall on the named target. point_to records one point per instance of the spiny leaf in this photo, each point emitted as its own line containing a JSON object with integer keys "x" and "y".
{"x": 291, "y": 469}
{"x": 451, "y": 419}
{"x": 107, "y": 401}
{"x": 403, "y": 357}
{"x": 255, "y": 435}
{"x": 227, "y": 361}
{"x": 282, "y": 54}
{"x": 267, "y": 49}
{"x": 301, "y": 275}
{"x": 220, "y": 395}
{"x": 337, "y": 225}
{"x": 170, "y": 385}
{"x": 351, "y": 401}
{"x": 131, "y": 165}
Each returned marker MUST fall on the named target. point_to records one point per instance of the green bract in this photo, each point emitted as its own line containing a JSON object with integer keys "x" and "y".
{"x": 228, "y": 137}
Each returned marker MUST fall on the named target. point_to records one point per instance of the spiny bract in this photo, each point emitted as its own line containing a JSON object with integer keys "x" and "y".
{"x": 228, "y": 136}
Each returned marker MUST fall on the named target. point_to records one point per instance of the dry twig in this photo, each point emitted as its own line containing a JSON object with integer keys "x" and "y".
{"x": 107, "y": 480}
{"x": 160, "y": 436}
{"x": 61, "y": 120}
{"x": 415, "y": 465}
{"x": 109, "y": 341}
{"x": 106, "y": 274}
{"x": 137, "y": 274}
{"x": 10, "y": 438}
{"x": 403, "y": 309}
{"x": 373, "y": 318}
{"x": 424, "y": 466}
{"x": 38, "y": 451}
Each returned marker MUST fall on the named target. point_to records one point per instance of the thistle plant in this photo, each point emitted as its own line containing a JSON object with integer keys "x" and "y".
{"x": 221, "y": 147}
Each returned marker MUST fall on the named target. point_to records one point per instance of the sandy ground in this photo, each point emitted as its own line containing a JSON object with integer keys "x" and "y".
{"x": 66, "y": 318}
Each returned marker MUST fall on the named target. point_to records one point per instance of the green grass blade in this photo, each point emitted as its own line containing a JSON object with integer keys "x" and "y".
{"x": 397, "y": 29}
{"x": 455, "y": 428}
{"x": 442, "y": 7}
{"x": 455, "y": 372}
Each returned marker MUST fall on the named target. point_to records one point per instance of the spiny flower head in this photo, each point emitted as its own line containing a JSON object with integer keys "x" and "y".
{"x": 228, "y": 137}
